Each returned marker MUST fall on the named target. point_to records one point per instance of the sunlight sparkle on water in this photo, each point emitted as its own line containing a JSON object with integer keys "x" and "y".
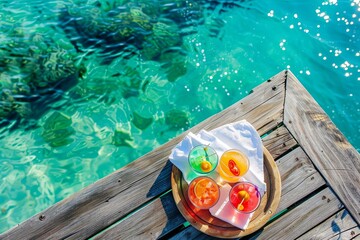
{"x": 281, "y": 44}
{"x": 271, "y": 13}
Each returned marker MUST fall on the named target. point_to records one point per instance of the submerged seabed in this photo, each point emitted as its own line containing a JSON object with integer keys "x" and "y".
{"x": 89, "y": 86}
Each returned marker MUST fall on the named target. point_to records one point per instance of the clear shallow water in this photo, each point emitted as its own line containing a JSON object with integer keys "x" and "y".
{"x": 127, "y": 100}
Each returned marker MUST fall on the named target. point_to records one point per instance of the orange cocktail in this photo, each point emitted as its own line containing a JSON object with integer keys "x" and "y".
{"x": 233, "y": 165}
{"x": 203, "y": 192}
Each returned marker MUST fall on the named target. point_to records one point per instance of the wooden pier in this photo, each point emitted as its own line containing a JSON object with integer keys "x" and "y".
{"x": 320, "y": 175}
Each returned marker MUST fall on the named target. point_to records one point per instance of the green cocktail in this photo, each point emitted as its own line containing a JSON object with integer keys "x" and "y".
{"x": 203, "y": 159}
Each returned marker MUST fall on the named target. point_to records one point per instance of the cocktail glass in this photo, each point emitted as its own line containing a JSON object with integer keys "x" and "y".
{"x": 203, "y": 192}
{"x": 203, "y": 159}
{"x": 233, "y": 165}
{"x": 245, "y": 197}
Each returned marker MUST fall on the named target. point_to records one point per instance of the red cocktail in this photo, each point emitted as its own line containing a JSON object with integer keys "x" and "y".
{"x": 245, "y": 197}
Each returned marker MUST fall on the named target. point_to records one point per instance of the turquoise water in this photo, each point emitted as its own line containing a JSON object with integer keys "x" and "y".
{"x": 81, "y": 99}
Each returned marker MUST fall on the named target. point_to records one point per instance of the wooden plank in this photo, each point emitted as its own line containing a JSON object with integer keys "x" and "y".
{"x": 280, "y": 141}
{"x": 299, "y": 179}
{"x": 191, "y": 233}
{"x": 302, "y": 218}
{"x": 331, "y": 153}
{"x": 339, "y": 226}
{"x": 115, "y": 196}
{"x": 155, "y": 220}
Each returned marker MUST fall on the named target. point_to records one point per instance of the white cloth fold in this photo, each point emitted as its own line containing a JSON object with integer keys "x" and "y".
{"x": 239, "y": 135}
{"x": 226, "y": 212}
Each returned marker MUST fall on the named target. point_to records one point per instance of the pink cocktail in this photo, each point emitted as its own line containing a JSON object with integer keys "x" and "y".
{"x": 245, "y": 197}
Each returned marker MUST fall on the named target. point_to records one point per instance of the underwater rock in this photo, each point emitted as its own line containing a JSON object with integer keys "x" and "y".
{"x": 184, "y": 13}
{"x": 10, "y": 106}
{"x": 52, "y": 65}
{"x": 141, "y": 122}
{"x": 130, "y": 87}
{"x": 54, "y": 68}
{"x": 23, "y": 109}
{"x": 6, "y": 109}
{"x": 103, "y": 28}
{"x": 177, "y": 119}
{"x": 133, "y": 22}
{"x": 122, "y": 79}
{"x": 20, "y": 88}
{"x": 174, "y": 63}
{"x": 131, "y": 82}
{"x": 122, "y": 138}
{"x": 122, "y": 29}
{"x": 117, "y": 28}
{"x": 57, "y": 120}
{"x": 32, "y": 65}
{"x": 163, "y": 37}
{"x": 57, "y": 129}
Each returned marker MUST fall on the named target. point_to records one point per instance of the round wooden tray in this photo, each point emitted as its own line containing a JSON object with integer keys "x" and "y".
{"x": 206, "y": 223}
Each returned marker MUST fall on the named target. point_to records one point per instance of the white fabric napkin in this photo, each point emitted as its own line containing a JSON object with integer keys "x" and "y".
{"x": 226, "y": 212}
{"x": 239, "y": 135}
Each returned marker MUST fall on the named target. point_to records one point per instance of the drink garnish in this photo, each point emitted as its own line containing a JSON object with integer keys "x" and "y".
{"x": 240, "y": 207}
{"x": 205, "y": 166}
{"x": 233, "y": 168}
{"x": 244, "y": 195}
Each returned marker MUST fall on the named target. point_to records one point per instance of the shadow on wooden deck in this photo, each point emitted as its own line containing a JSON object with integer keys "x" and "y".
{"x": 162, "y": 183}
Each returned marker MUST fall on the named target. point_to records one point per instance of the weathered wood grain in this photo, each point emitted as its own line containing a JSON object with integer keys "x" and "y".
{"x": 331, "y": 153}
{"x": 280, "y": 142}
{"x": 298, "y": 176}
{"x": 101, "y": 204}
{"x": 155, "y": 220}
{"x": 339, "y": 226}
{"x": 191, "y": 233}
{"x": 299, "y": 179}
{"x": 302, "y": 218}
